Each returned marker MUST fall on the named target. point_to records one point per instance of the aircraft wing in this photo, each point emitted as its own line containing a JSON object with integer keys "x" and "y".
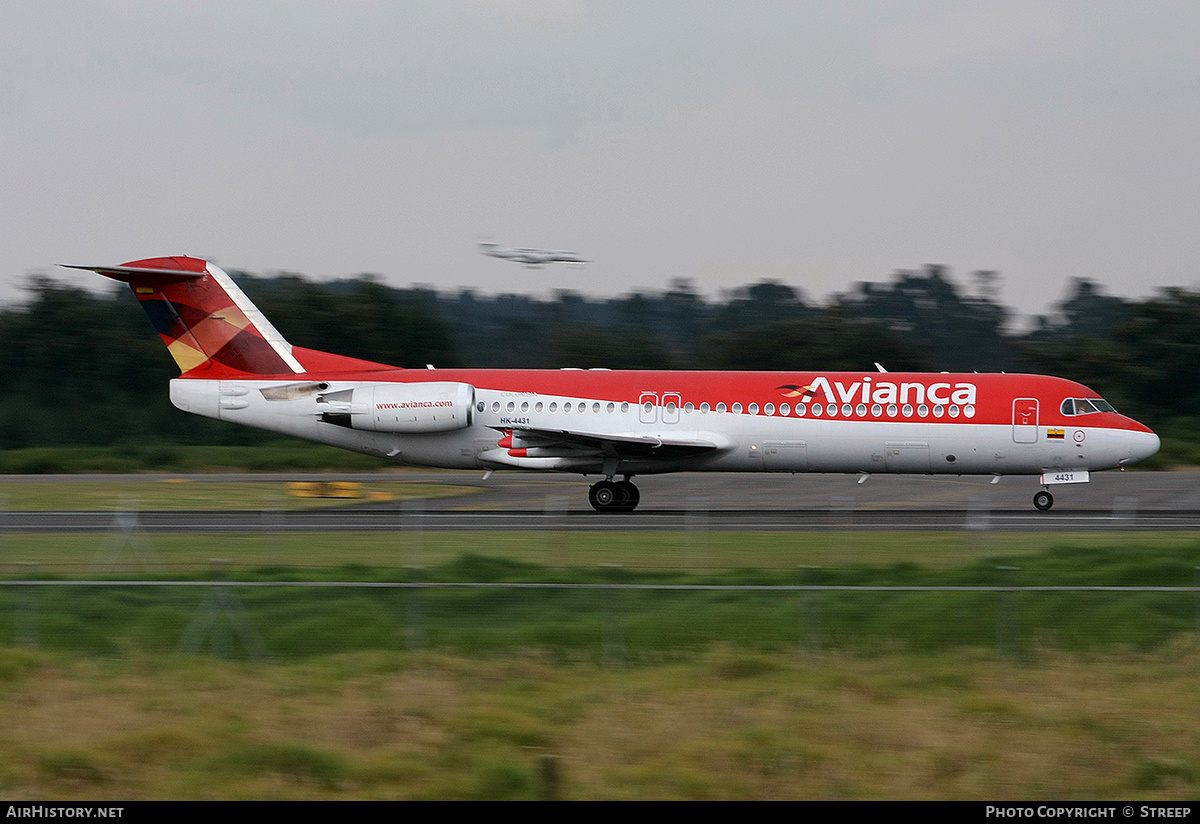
{"x": 574, "y": 441}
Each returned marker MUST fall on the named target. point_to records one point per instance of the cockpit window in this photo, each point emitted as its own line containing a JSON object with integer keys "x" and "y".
{"x": 1085, "y": 406}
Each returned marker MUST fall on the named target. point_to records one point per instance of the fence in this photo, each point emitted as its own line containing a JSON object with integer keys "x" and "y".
{"x": 613, "y": 619}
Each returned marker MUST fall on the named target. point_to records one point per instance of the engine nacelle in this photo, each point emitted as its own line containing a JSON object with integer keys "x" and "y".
{"x": 410, "y": 408}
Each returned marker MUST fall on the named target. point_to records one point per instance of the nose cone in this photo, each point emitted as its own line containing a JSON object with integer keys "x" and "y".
{"x": 1141, "y": 446}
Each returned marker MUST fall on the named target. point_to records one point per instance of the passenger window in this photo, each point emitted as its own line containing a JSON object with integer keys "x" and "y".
{"x": 737, "y": 409}
{"x": 753, "y": 409}
{"x": 769, "y": 409}
{"x": 721, "y": 407}
{"x": 785, "y": 409}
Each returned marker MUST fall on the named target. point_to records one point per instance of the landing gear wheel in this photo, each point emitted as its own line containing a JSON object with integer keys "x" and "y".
{"x": 607, "y": 496}
{"x": 627, "y": 496}
{"x": 602, "y": 496}
{"x": 1043, "y": 500}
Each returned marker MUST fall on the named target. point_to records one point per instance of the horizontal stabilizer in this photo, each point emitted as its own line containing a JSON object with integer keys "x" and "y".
{"x": 131, "y": 273}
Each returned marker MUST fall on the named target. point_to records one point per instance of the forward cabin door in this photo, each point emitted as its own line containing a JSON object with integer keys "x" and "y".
{"x": 1025, "y": 420}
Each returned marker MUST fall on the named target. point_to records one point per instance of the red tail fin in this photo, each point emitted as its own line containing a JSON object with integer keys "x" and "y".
{"x": 209, "y": 325}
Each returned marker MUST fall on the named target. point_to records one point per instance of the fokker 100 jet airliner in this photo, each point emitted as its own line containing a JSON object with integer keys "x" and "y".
{"x": 236, "y": 367}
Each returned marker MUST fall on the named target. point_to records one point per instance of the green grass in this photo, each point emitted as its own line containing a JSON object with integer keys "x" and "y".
{"x": 725, "y": 724}
{"x": 801, "y": 555}
{"x": 295, "y": 623}
{"x": 632, "y": 694}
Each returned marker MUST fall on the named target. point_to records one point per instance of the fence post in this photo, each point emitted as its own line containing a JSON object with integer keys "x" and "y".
{"x": 613, "y": 651}
{"x": 26, "y": 629}
{"x": 550, "y": 773}
{"x": 809, "y": 604}
{"x": 1007, "y": 618}
{"x": 222, "y": 619}
{"x": 416, "y": 629}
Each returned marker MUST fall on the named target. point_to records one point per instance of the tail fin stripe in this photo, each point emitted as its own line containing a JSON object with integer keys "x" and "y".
{"x": 282, "y": 348}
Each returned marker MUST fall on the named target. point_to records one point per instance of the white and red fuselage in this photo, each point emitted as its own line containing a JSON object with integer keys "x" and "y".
{"x": 982, "y": 424}
{"x": 237, "y": 368}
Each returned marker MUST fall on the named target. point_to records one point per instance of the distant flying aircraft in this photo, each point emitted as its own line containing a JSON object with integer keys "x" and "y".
{"x": 236, "y": 367}
{"x": 532, "y": 258}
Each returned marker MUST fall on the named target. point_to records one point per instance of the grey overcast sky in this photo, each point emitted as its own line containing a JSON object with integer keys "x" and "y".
{"x": 818, "y": 143}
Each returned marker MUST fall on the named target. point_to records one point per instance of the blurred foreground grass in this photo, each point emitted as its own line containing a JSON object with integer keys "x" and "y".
{"x": 727, "y": 724}
{"x": 631, "y": 694}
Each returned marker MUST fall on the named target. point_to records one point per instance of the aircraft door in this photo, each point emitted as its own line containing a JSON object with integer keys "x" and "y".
{"x": 648, "y": 407}
{"x": 671, "y": 403}
{"x": 1025, "y": 420}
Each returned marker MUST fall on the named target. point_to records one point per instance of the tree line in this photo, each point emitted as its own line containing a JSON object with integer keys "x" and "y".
{"x": 81, "y": 368}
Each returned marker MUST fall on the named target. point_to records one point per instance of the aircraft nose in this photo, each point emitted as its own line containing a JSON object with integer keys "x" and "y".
{"x": 1141, "y": 446}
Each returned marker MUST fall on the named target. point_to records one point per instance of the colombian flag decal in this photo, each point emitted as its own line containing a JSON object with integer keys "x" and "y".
{"x": 1056, "y": 434}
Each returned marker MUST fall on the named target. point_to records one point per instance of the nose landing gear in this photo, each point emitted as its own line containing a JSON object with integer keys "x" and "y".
{"x": 607, "y": 496}
{"x": 1043, "y": 500}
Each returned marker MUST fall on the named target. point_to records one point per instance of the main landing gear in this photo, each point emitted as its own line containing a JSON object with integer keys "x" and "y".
{"x": 607, "y": 496}
{"x": 1043, "y": 500}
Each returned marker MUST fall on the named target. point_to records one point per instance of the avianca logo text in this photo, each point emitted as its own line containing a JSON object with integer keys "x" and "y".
{"x": 869, "y": 391}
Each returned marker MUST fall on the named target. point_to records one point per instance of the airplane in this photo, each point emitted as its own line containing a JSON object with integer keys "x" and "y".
{"x": 235, "y": 366}
{"x": 532, "y": 258}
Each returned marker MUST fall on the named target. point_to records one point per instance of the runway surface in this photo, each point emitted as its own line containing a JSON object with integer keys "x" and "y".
{"x": 686, "y": 501}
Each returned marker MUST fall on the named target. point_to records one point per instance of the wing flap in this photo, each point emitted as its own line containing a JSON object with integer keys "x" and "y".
{"x": 620, "y": 444}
